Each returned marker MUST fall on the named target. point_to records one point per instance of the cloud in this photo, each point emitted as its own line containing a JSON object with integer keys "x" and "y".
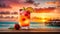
{"x": 4, "y": 4}
{"x": 50, "y": 2}
{"x": 10, "y": 3}
{"x": 16, "y": 1}
{"x": 30, "y": 1}
{"x": 36, "y": 4}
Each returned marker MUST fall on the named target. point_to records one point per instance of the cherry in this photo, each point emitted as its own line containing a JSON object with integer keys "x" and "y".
{"x": 28, "y": 12}
{"x": 23, "y": 19}
{"x": 28, "y": 17}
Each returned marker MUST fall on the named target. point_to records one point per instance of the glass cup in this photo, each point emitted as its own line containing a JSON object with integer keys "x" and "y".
{"x": 24, "y": 19}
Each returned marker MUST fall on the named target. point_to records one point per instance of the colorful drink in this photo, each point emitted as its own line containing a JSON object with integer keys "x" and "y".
{"x": 24, "y": 18}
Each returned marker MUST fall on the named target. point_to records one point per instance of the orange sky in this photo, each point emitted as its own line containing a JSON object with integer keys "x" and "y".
{"x": 17, "y": 4}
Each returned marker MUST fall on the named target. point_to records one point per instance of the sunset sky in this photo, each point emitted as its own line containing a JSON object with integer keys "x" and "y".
{"x": 14, "y": 5}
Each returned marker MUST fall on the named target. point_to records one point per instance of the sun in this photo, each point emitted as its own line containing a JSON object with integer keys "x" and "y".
{"x": 43, "y": 20}
{"x": 44, "y": 17}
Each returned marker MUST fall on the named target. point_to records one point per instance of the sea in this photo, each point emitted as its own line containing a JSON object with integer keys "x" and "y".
{"x": 8, "y": 24}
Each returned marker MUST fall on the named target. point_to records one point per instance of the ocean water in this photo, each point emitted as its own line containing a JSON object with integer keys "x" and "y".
{"x": 39, "y": 25}
{"x": 32, "y": 25}
{"x": 11, "y": 24}
{"x": 7, "y": 24}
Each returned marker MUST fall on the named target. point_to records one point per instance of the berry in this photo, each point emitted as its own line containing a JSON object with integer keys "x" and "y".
{"x": 23, "y": 19}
